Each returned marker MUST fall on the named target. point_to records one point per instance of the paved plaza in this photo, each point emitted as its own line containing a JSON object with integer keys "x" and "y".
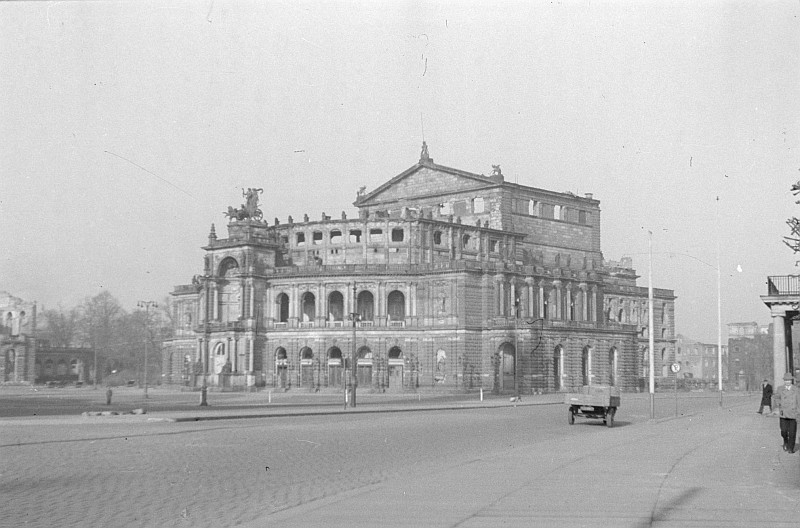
{"x": 304, "y": 461}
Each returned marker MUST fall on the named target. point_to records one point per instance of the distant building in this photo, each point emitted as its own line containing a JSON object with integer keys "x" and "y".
{"x": 750, "y": 349}
{"x": 446, "y": 280}
{"x": 700, "y": 362}
{"x": 17, "y": 339}
{"x": 63, "y": 364}
{"x": 28, "y": 359}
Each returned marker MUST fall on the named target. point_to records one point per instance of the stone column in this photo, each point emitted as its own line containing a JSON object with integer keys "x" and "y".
{"x": 778, "y": 348}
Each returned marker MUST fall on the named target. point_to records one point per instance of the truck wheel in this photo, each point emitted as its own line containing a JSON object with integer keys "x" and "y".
{"x": 571, "y": 417}
{"x": 611, "y": 418}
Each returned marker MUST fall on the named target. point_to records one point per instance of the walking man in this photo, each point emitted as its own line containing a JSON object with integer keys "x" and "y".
{"x": 766, "y": 397}
{"x": 788, "y": 409}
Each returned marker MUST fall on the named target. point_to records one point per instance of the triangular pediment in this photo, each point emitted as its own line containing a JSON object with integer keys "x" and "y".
{"x": 425, "y": 179}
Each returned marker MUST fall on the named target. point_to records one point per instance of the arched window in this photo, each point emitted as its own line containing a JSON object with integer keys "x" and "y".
{"x": 366, "y": 306}
{"x": 437, "y": 238}
{"x": 612, "y": 366}
{"x": 558, "y": 368}
{"x": 586, "y": 365}
{"x": 282, "y": 303}
{"x": 309, "y": 306}
{"x": 281, "y": 367}
{"x": 465, "y": 241}
{"x": 335, "y": 306}
{"x": 228, "y": 267}
{"x": 335, "y": 370}
{"x": 396, "y": 302}
{"x": 364, "y": 367}
{"x": 306, "y": 367}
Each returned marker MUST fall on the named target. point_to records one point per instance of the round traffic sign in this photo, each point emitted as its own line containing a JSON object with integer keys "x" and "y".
{"x": 675, "y": 367}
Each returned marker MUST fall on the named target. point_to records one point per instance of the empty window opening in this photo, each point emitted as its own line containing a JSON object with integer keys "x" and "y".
{"x": 494, "y": 245}
{"x": 336, "y": 237}
{"x": 301, "y": 239}
{"x": 437, "y": 238}
{"x": 355, "y": 236}
{"x": 316, "y": 237}
{"x": 376, "y": 235}
{"x": 397, "y": 234}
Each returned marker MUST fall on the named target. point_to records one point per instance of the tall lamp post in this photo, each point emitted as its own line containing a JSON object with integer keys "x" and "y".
{"x": 146, "y": 305}
{"x": 355, "y": 317}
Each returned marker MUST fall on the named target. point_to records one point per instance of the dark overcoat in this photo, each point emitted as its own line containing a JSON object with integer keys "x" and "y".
{"x": 766, "y": 395}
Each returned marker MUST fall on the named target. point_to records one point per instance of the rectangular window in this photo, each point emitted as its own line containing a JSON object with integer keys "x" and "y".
{"x": 336, "y": 237}
{"x": 376, "y": 235}
{"x": 520, "y": 205}
{"x": 477, "y": 205}
{"x": 446, "y": 209}
{"x": 534, "y": 208}
{"x": 316, "y": 237}
{"x": 397, "y": 234}
{"x": 547, "y": 210}
{"x": 355, "y": 236}
{"x": 301, "y": 239}
{"x": 582, "y": 217}
{"x": 494, "y": 245}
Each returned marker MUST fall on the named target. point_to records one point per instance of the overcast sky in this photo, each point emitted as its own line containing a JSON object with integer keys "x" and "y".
{"x": 127, "y": 128}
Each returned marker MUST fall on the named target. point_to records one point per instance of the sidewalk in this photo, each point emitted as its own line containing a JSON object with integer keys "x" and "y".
{"x": 718, "y": 468}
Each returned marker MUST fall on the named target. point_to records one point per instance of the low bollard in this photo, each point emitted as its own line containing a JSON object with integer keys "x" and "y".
{"x": 108, "y": 396}
{"x": 203, "y": 393}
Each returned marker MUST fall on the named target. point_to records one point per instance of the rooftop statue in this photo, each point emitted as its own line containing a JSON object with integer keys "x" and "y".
{"x": 249, "y": 209}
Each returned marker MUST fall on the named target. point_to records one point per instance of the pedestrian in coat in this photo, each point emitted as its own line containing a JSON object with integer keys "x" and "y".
{"x": 766, "y": 397}
{"x": 788, "y": 409}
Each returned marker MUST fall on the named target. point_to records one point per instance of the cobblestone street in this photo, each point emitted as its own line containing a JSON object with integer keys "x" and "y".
{"x": 128, "y": 471}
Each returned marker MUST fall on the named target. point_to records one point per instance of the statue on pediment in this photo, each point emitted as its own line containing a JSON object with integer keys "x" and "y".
{"x": 249, "y": 209}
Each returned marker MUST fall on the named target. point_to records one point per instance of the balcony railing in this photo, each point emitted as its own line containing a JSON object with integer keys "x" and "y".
{"x": 783, "y": 285}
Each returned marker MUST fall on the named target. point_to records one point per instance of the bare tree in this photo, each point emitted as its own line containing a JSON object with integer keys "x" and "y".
{"x": 99, "y": 326}
{"x": 793, "y": 241}
{"x": 61, "y": 326}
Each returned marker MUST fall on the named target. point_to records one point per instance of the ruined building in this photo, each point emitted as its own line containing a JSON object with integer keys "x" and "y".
{"x": 446, "y": 280}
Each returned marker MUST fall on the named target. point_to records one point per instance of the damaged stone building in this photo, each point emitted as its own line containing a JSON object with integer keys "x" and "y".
{"x": 446, "y": 280}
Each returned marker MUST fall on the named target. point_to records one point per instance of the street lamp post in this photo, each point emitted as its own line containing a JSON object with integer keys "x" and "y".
{"x": 354, "y": 316}
{"x": 146, "y": 305}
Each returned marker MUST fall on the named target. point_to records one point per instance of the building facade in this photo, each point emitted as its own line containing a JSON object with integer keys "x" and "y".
{"x": 783, "y": 301}
{"x": 17, "y": 339}
{"x": 25, "y": 358}
{"x": 446, "y": 280}
{"x": 750, "y": 355}
{"x": 700, "y": 362}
